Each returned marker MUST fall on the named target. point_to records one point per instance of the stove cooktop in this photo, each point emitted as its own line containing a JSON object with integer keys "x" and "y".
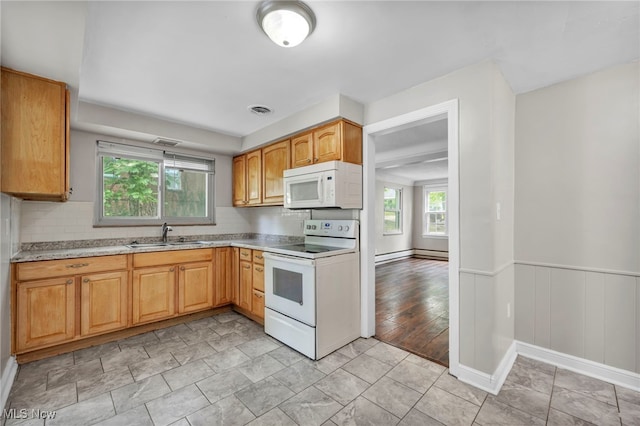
{"x": 308, "y": 248}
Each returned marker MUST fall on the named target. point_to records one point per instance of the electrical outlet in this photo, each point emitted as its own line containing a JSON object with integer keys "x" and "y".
{"x": 498, "y": 213}
{"x": 509, "y": 310}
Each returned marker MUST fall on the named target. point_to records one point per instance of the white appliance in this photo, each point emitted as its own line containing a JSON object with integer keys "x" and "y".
{"x": 312, "y": 290}
{"x": 332, "y": 184}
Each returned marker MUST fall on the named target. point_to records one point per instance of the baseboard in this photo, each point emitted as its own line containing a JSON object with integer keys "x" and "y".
{"x": 616, "y": 376}
{"x": 431, "y": 254}
{"x": 7, "y": 379}
{"x": 489, "y": 382}
{"x": 390, "y": 257}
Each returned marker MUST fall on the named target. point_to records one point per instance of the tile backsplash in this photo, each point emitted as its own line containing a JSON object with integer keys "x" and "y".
{"x": 73, "y": 220}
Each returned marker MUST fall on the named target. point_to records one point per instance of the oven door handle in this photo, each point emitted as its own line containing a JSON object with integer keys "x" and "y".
{"x": 289, "y": 259}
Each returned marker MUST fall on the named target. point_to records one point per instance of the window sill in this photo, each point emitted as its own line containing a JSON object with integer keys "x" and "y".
{"x": 436, "y": 237}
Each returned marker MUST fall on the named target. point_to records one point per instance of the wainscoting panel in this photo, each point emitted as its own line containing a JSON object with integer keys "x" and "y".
{"x": 589, "y": 314}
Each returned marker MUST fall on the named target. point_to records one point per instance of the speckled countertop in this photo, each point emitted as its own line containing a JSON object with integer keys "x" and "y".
{"x": 66, "y": 250}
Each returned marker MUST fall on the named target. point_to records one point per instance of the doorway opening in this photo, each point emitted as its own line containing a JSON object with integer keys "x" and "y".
{"x": 376, "y": 137}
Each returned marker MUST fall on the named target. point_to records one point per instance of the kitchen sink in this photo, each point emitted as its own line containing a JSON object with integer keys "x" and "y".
{"x": 172, "y": 243}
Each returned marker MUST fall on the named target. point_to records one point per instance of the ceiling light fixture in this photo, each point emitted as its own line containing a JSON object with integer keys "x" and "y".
{"x": 287, "y": 23}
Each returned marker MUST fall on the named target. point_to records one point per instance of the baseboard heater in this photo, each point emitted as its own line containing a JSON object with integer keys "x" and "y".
{"x": 404, "y": 254}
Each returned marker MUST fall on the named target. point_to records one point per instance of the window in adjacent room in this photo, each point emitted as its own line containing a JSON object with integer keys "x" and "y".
{"x": 435, "y": 212}
{"x": 392, "y": 210}
{"x": 143, "y": 186}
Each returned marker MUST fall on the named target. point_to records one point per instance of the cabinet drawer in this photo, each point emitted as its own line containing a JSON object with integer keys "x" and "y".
{"x": 258, "y": 257}
{"x": 257, "y": 303}
{"x": 59, "y": 268}
{"x": 258, "y": 277}
{"x": 158, "y": 258}
{"x": 245, "y": 254}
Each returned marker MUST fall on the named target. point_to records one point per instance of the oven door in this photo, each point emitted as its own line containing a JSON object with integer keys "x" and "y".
{"x": 289, "y": 284}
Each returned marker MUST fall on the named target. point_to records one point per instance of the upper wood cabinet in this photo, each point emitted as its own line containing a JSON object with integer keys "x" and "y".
{"x": 276, "y": 158}
{"x": 247, "y": 179}
{"x": 258, "y": 175}
{"x": 35, "y": 137}
{"x": 302, "y": 150}
{"x": 254, "y": 177}
{"x": 340, "y": 140}
{"x": 240, "y": 180}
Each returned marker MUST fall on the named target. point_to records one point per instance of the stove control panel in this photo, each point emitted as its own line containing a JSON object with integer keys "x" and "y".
{"x": 331, "y": 228}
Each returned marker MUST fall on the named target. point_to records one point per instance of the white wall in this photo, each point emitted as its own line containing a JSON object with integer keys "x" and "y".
{"x": 485, "y": 107}
{"x": 394, "y": 242}
{"x": 577, "y": 210}
{"x": 73, "y": 220}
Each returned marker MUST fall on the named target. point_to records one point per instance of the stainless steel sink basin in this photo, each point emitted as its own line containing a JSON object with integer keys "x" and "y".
{"x": 172, "y": 243}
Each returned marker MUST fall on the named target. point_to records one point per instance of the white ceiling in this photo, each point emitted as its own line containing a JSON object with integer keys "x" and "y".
{"x": 413, "y": 154}
{"x": 202, "y": 63}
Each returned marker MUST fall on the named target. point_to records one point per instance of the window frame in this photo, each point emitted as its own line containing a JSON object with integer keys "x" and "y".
{"x": 426, "y": 189}
{"x": 136, "y": 152}
{"x": 399, "y": 211}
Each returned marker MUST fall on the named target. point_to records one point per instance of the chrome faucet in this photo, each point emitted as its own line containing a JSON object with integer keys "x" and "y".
{"x": 165, "y": 229}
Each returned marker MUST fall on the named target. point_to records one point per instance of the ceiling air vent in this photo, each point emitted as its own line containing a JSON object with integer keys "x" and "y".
{"x": 260, "y": 109}
{"x": 166, "y": 142}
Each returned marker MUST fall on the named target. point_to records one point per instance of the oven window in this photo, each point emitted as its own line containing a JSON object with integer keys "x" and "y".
{"x": 304, "y": 191}
{"x": 287, "y": 284}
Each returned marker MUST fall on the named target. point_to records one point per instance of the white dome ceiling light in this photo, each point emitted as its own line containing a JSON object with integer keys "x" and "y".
{"x": 287, "y": 23}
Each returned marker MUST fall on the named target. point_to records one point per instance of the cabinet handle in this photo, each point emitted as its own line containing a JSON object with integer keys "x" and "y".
{"x": 172, "y": 269}
{"x": 259, "y": 269}
{"x": 182, "y": 268}
{"x": 247, "y": 267}
{"x": 69, "y": 281}
{"x": 259, "y": 257}
{"x": 244, "y": 253}
{"x": 308, "y": 160}
{"x": 86, "y": 280}
{"x": 315, "y": 160}
{"x": 259, "y": 296}
{"x": 77, "y": 265}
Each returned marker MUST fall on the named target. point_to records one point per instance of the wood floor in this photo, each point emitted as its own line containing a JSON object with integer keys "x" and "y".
{"x": 412, "y": 307}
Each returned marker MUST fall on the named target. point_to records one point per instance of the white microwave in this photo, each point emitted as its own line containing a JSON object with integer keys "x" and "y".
{"x": 332, "y": 184}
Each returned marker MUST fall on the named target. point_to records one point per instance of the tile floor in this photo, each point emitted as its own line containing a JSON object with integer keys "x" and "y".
{"x": 224, "y": 370}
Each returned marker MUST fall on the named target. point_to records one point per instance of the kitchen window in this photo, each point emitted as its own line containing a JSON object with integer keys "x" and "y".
{"x": 435, "y": 212}
{"x": 392, "y": 211}
{"x": 144, "y": 186}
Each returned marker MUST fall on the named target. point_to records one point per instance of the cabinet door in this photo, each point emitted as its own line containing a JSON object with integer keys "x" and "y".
{"x": 103, "y": 302}
{"x": 235, "y": 276}
{"x": 254, "y": 177}
{"x": 302, "y": 150}
{"x": 275, "y": 160}
{"x": 35, "y": 144}
{"x": 246, "y": 285}
{"x": 45, "y": 312}
{"x": 223, "y": 294}
{"x": 258, "y": 277}
{"x": 154, "y": 295}
{"x": 240, "y": 180}
{"x": 195, "y": 287}
{"x": 326, "y": 143}
{"x": 257, "y": 303}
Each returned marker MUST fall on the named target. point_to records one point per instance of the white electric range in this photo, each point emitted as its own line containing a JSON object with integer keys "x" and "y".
{"x": 312, "y": 290}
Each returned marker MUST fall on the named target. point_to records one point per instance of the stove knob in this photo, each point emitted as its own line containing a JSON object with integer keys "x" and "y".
{"x": 340, "y": 228}
{"x": 313, "y": 227}
{"x": 346, "y": 228}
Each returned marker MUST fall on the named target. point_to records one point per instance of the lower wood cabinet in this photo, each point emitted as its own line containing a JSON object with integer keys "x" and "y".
{"x": 45, "y": 312}
{"x": 154, "y": 294}
{"x": 60, "y": 301}
{"x": 195, "y": 287}
{"x": 103, "y": 302}
{"x": 224, "y": 276}
{"x": 246, "y": 286}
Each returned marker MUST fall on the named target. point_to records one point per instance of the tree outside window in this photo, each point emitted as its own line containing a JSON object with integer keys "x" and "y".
{"x": 392, "y": 210}
{"x": 141, "y": 186}
{"x": 435, "y": 214}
